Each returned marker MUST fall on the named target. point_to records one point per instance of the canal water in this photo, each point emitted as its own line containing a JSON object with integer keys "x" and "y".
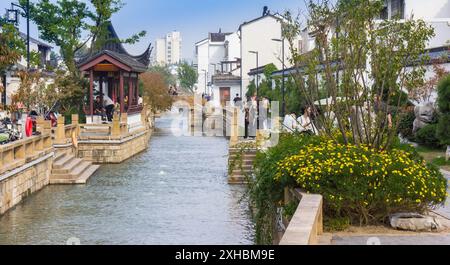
{"x": 174, "y": 193}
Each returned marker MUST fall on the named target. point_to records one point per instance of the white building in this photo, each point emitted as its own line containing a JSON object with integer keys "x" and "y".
{"x": 218, "y": 66}
{"x": 437, "y": 14}
{"x": 173, "y": 48}
{"x": 168, "y": 49}
{"x": 258, "y": 47}
{"x": 159, "y": 57}
{"x": 11, "y": 81}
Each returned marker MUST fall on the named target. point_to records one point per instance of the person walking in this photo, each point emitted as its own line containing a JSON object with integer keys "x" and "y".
{"x": 109, "y": 107}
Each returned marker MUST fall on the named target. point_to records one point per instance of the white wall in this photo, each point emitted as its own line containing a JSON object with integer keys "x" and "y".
{"x": 234, "y": 89}
{"x": 160, "y": 51}
{"x": 203, "y": 62}
{"x": 216, "y": 55}
{"x": 427, "y": 9}
{"x": 173, "y": 47}
{"x": 257, "y": 36}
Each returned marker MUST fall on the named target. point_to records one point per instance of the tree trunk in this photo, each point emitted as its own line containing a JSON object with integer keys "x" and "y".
{"x": 447, "y": 153}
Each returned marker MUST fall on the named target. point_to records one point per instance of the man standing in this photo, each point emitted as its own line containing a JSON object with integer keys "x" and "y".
{"x": 109, "y": 107}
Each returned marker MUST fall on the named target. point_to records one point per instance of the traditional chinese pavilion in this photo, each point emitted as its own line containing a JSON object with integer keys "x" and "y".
{"x": 112, "y": 71}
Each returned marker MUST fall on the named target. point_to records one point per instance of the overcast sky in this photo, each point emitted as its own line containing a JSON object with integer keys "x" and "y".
{"x": 193, "y": 18}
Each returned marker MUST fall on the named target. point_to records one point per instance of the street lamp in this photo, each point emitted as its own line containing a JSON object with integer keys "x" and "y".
{"x": 283, "y": 104}
{"x": 206, "y": 79}
{"x": 12, "y": 17}
{"x": 257, "y": 66}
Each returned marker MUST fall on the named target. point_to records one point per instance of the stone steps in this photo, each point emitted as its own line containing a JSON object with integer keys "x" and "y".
{"x": 70, "y": 170}
{"x": 241, "y": 172}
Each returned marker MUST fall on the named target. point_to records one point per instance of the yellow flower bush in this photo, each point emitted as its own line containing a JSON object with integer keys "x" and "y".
{"x": 364, "y": 184}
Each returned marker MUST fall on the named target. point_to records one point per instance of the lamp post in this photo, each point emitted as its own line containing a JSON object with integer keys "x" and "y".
{"x": 12, "y": 17}
{"x": 206, "y": 79}
{"x": 283, "y": 103}
{"x": 257, "y": 75}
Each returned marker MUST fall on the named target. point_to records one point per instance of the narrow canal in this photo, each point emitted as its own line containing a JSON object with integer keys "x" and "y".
{"x": 174, "y": 193}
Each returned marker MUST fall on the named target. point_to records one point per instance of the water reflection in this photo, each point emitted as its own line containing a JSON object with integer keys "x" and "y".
{"x": 175, "y": 193}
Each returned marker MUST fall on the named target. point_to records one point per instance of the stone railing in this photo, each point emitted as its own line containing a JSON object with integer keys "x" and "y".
{"x": 18, "y": 153}
{"x": 306, "y": 226}
{"x": 118, "y": 129}
{"x": 65, "y": 134}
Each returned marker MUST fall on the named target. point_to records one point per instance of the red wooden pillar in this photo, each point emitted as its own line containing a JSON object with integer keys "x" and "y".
{"x": 137, "y": 90}
{"x": 91, "y": 93}
{"x": 101, "y": 88}
{"x": 130, "y": 92}
{"x": 121, "y": 92}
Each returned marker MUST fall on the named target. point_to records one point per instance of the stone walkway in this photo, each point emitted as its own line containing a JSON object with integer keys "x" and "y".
{"x": 445, "y": 211}
{"x": 421, "y": 239}
{"x": 424, "y": 239}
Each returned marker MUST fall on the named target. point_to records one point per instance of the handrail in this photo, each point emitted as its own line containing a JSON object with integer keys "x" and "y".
{"x": 18, "y": 153}
{"x": 306, "y": 225}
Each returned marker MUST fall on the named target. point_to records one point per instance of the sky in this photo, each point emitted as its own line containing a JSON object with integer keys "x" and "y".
{"x": 193, "y": 18}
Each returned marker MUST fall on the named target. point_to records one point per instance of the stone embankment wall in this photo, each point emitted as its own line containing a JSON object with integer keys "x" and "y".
{"x": 25, "y": 168}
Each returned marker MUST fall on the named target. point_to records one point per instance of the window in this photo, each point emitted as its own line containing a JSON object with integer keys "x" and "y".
{"x": 385, "y": 11}
{"x": 398, "y": 9}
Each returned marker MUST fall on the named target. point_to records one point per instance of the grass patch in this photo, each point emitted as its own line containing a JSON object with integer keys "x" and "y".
{"x": 435, "y": 156}
{"x": 336, "y": 224}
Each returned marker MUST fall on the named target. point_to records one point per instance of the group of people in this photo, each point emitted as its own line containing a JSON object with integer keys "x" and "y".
{"x": 106, "y": 107}
{"x": 302, "y": 124}
{"x": 255, "y": 113}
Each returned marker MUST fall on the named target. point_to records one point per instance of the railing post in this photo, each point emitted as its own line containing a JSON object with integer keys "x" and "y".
{"x": 76, "y": 123}
{"x": 144, "y": 116}
{"x": 115, "y": 131}
{"x": 47, "y": 127}
{"x": 234, "y": 128}
{"x": 60, "y": 137}
{"x": 124, "y": 118}
{"x": 40, "y": 124}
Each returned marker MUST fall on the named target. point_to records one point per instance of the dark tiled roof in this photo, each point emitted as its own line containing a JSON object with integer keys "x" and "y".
{"x": 35, "y": 41}
{"x": 114, "y": 48}
{"x": 218, "y": 37}
{"x": 226, "y": 79}
{"x": 277, "y": 16}
{"x": 258, "y": 70}
{"x": 130, "y": 61}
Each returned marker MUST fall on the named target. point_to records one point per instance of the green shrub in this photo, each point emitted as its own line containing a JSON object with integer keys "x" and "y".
{"x": 443, "y": 127}
{"x": 428, "y": 136}
{"x": 266, "y": 194}
{"x": 405, "y": 126}
{"x": 363, "y": 184}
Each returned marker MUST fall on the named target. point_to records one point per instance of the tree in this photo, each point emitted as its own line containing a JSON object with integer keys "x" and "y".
{"x": 65, "y": 22}
{"x": 188, "y": 76}
{"x": 11, "y": 49}
{"x": 155, "y": 91}
{"x": 360, "y": 63}
{"x": 169, "y": 78}
{"x": 443, "y": 127}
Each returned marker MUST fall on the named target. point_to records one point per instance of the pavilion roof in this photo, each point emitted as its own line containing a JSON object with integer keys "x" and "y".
{"x": 114, "y": 48}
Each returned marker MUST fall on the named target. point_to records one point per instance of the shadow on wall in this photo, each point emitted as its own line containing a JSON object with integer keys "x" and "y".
{"x": 445, "y": 11}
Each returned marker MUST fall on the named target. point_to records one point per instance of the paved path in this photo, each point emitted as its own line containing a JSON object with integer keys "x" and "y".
{"x": 445, "y": 211}
{"x": 425, "y": 239}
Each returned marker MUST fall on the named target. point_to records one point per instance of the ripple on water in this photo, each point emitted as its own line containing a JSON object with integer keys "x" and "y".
{"x": 133, "y": 203}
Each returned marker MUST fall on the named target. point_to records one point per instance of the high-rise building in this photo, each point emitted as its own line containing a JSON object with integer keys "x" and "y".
{"x": 160, "y": 52}
{"x": 173, "y": 47}
{"x": 168, "y": 49}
